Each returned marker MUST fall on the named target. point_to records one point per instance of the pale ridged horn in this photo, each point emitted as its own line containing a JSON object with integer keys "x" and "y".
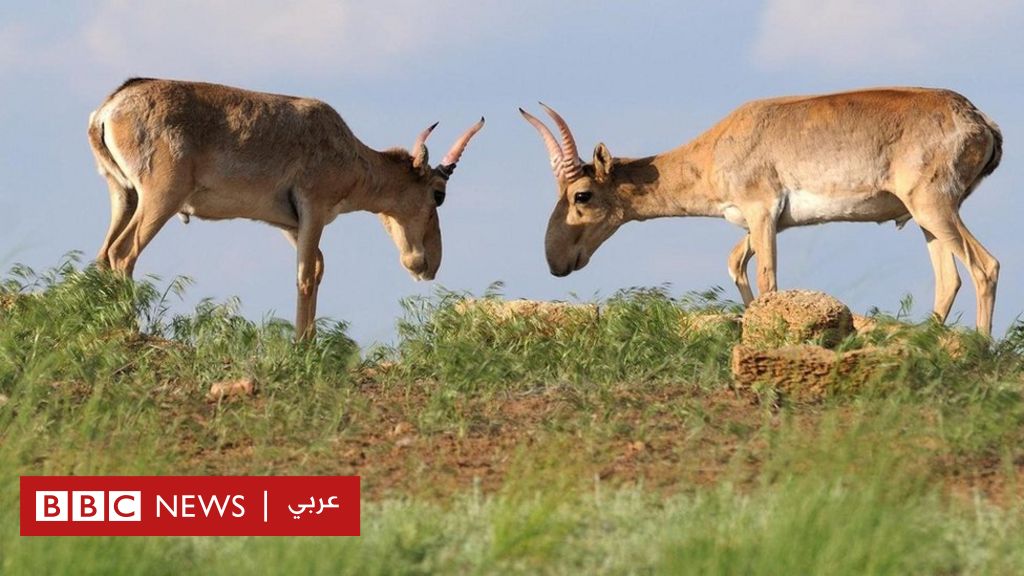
{"x": 573, "y": 166}
{"x": 452, "y": 157}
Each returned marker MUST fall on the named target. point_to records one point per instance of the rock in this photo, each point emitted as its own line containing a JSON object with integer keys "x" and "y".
{"x": 543, "y": 318}
{"x": 864, "y": 324}
{"x": 231, "y": 389}
{"x": 548, "y": 312}
{"x": 3, "y": 400}
{"x": 368, "y": 373}
{"x": 550, "y": 316}
{"x": 8, "y": 301}
{"x": 710, "y": 322}
{"x": 796, "y": 317}
{"x": 953, "y": 340}
{"x": 401, "y": 429}
{"x": 634, "y": 448}
{"x": 808, "y": 372}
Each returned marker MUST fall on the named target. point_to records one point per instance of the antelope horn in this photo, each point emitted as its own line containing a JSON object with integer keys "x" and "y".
{"x": 554, "y": 151}
{"x": 419, "y": 148}
{"x": 570, "y": 154}
{"x": 453, "y": 155}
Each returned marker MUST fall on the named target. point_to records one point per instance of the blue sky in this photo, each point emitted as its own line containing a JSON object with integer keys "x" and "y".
{"x": 641, "y": 77}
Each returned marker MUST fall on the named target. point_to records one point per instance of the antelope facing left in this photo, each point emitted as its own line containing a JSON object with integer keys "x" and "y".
{"x": 862, "y": 156}
{"x": 169, "y": 147}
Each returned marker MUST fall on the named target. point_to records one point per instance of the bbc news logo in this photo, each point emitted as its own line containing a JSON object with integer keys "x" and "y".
{"x": 190, "y": 505}
{"x": 88, "y": 506}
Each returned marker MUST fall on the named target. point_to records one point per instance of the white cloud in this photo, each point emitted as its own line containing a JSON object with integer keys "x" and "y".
{"x": 265, "y": 36}
{"x": 863, "y": 33}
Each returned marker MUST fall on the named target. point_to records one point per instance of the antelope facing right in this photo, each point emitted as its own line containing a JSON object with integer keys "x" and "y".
{"x": 863, "y": 156}
{"x": 195, "y": 149}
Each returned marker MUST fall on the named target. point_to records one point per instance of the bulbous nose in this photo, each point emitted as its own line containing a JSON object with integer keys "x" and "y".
{"x": 568, "y": 266}
{"x": 560, "y": 271}
{"x": 416, "y": 263}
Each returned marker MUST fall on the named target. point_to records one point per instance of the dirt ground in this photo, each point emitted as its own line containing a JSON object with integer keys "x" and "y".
{"x": 666, "y": 438}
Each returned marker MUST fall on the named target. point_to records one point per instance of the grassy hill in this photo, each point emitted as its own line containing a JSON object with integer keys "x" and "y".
{"x": 605, "y": 438}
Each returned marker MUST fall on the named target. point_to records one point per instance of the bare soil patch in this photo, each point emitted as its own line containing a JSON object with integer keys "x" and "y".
{"x": 666, "y": 438}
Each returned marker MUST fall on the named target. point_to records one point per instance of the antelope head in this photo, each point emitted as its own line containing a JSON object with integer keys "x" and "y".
{"x": 589, "y": 208}
{"x": 412, "y": 221}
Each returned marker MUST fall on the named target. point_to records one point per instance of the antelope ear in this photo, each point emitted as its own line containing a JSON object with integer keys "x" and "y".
{"x": 602, "y": 162}
{"x": 421, "y": 160}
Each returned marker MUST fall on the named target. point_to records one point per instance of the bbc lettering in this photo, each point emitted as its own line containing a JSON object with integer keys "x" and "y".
{"x": 89, "y": 506}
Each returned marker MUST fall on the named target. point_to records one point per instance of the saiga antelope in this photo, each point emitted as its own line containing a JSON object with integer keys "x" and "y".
{"x": 168, "y": 147}
{"x": 863, "y": 156}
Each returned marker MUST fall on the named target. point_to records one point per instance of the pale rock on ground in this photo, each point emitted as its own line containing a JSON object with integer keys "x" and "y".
{"x": 231, "y": 389}
{"x": 796, "y": 317}
{"x": 786, "y": 344}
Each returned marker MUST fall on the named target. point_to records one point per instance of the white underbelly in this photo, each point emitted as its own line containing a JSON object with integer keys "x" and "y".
{"x": 254, "y": 204}
{"x": 803, "y": 208}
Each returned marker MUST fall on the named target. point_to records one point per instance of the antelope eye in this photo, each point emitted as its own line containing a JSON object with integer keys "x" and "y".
{"x": 438, "y": 197}
{"x": 583, "y": 197}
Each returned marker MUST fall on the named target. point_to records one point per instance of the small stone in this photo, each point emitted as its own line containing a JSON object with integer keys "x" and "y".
{"x": 231, "y": 389}
{"x": 401, "y": 428}
{"x": 635, "y": 447}
{"x": 8, "y": 301}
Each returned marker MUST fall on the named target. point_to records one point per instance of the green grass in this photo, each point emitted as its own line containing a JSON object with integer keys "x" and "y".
{"x": 880, "y": 518}
{"x": 635, "y": 335}
{"x": 610, "y": 441}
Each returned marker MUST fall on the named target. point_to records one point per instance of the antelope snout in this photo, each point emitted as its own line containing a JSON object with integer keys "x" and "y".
{"x": 417, "y": 265}
{"x": 565, "y": 267}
